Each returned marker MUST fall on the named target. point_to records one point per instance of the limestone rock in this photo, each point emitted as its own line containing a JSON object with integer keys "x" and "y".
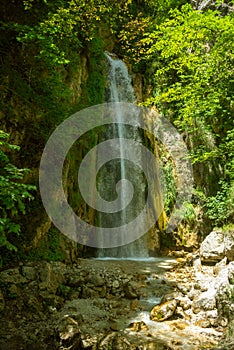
{"x": 13, "y": 291}
{"x": 185, "y": 302}
{"x": 203, "y": 322}
{"x": 163, "y": 311}
{"x": 221, "y": 282}
{"x": 139, "y": 326}
{"x": 170, "y": 296}
{"x": 75, "y": 280}
{"x": 229, "y": 244}
{"x": 226, "y": 346}
{"x": 227, "y": 343}
{"x": 220, "y": 266}
{"x": 205, "y": 301}
{"x": 217, "y": 245}
{"x": 69, "y": 334}
{"x": 231, "y": 272}
{"x": 212, "y": 249}
{"x": 210, "y": 318}
{"x": 115, "y": 341}
{"x": 34, "y": 304}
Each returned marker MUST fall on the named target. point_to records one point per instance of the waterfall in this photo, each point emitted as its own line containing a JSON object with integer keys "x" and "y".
{"x": 120, "y": 89}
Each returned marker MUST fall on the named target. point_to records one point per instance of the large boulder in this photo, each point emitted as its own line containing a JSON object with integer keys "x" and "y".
{"x": 217, "y": 245}
{"x": 212, "y": 248}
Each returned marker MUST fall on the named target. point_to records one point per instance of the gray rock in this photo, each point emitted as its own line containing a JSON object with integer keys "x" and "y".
{"x": 29, "y": 272}
{"x": 221, "y": 282}
{"x": 205, "y": 301}
{"x": 97, "y": 280}
{"x": 231, "y": 272}
{"x": 229, "y": 244}
{"x": 217, "y": 245}
{"x": 220, "y": 266}
{"x": 212, "y": 249}
{"x": 185, "y": 302}
{"x": 115, "y": 284}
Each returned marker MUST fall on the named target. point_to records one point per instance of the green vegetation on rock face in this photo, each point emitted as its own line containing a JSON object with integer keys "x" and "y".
{"x": 52, "y": 248}
{"x": 13, "y": 197}
{"x": 188, "y": 58}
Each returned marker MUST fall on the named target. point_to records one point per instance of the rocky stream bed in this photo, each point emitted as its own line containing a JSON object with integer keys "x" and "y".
{"x": 174, "y": 302}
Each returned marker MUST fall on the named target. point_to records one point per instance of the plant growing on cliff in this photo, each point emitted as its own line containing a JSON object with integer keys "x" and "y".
{"x": 13, "y": 196}
{"x": 220, "y": 208}
{"x": 189, "y": 60}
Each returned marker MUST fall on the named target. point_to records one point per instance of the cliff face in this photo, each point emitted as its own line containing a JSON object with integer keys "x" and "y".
{"x": 29, "y": 127}
{"x": 35, "y": 98}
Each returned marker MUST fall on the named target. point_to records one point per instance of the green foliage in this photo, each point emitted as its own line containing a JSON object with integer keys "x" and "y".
{"x": 13, "y": 195}
{"x": 170, "y": 186}
{"x": 220, "y": 208}
{"x": 69, "y": 24}
{"x": 193, "y": 47}
{"x": 41, "y": 42}
{"x": 188, "y": 57}
{"x": 187, "y": 212}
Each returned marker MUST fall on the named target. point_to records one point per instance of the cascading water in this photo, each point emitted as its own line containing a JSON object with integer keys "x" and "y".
{"x": 120, "y": 89}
